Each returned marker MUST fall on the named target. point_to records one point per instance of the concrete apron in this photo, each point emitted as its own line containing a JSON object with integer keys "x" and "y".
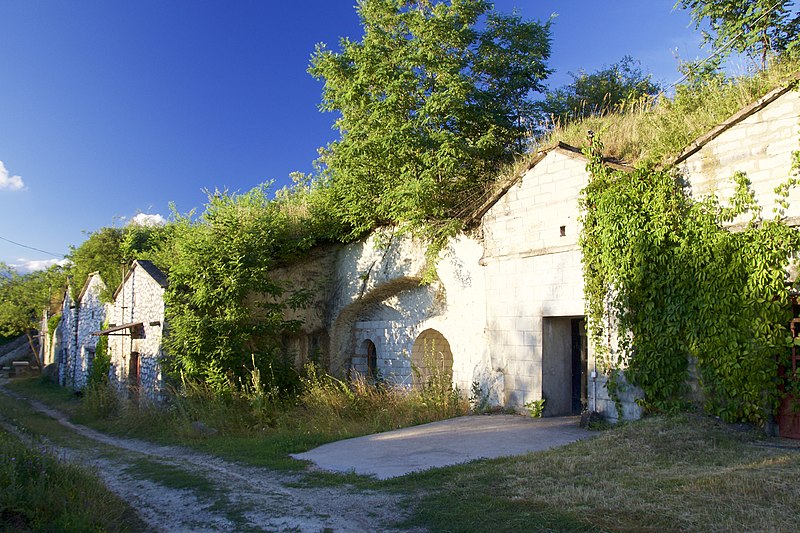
{"x": 450, "y": 442}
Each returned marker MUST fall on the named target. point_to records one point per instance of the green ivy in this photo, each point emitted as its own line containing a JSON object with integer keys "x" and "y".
{"x": 665, "y": 280}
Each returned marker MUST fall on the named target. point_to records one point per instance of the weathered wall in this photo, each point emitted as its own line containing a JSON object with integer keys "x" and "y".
{"x": 532, "y": 268}
{"x": 140, "y": 298}
{"x": 91, "y": 313}
{"x": 387, "y": 305}
{"x": 66, "y": 340}
{"x": 759, "y": 142}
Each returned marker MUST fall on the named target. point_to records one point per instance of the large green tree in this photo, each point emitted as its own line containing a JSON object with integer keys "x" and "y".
{"x": 754, "y": 27}
{"x": 24, "y": 298}
{"x": 432, "y": 100}
{"x": 598, "y": 93}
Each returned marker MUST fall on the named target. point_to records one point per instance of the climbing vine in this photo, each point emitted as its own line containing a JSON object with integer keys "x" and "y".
{"x": 665, "y": 280}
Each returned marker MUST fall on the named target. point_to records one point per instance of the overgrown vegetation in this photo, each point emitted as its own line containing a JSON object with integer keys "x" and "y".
{"x": 41, "y": 493}
{"x": 263, "y": 425}
{"x": 591, "y": 95}
{"x": 225, "y": 311}
{"x": 643, "y": 132}
{"x": 433, "y": 100}
{"x": 663, "y": 272}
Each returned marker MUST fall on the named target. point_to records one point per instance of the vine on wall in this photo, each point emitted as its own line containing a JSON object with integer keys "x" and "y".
{"x": 664, "y": 273}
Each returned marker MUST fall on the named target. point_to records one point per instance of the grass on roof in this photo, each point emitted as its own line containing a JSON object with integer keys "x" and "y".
{"x": 657, "y": 132}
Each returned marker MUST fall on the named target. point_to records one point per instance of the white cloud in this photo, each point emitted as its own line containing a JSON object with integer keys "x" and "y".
{"x": 26, "y": 266}
{"x": 144, "y": 219}
{"x": 12, "y": 183}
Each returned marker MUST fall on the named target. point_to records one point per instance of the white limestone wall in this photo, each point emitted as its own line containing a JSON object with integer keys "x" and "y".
{"x": 761, "y": 146}
{"x": 533, "y": 268}
{"x": 377, "y": 295}
{"x": 141, "y": 299}
{"x": 366, "y": 275}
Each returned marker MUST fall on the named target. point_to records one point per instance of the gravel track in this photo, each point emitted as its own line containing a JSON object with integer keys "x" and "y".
{"x": 234, "y": 497}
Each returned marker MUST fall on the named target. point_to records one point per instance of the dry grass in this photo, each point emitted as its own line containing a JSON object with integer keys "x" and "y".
{"x": 657, "y": 133}
{"x": 687, "y": 473}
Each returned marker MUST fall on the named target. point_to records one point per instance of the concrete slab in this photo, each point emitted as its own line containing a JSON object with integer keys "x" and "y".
{"x": 445, "y": 443}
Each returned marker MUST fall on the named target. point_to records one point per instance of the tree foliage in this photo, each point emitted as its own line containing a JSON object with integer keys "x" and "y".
{"x": 754, "y": 27}
{"x": 598, "y": 93}
{"x": 24, "y": 298}
{"x": 107, "y": 251}
{"x": 224, "y": 309}
{"x": 432, "y": 100}
{"x": 677, "y": 283}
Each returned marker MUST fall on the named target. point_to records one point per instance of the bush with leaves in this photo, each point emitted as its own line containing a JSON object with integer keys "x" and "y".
{"x": 759, "y": 28}
{"x": 599, "y": 93}
{"x": 222, "y": 305}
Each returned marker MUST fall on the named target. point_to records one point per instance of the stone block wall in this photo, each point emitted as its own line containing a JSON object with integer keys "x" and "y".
{"x": 91, "y": 314}
{"x": 532, "y": 268}
{"x": 140, "y": 298}
{"x": 759, "y": 143}
{"x": 67, "y": 341}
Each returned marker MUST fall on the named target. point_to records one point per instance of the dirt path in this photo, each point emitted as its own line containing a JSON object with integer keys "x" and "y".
{"x": 178, "y": 489}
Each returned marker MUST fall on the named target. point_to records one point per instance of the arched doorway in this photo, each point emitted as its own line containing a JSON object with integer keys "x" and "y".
{"x": 431, "y": 358}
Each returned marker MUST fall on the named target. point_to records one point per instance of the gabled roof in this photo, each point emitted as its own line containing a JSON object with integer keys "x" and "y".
{"x": 737, "y": 117}
{"x": 86, "y": 284}
{"x": 504, "y": 186}
{"x": 152, "y": 270}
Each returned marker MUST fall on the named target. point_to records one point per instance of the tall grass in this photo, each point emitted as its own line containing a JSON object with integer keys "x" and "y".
{"x": 41, "y": 493}
{"x": 325, "y": 409}
{"x": 657, "y": 131}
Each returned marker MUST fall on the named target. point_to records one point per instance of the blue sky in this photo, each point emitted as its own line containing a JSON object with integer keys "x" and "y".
{"x": 112, "y": 109}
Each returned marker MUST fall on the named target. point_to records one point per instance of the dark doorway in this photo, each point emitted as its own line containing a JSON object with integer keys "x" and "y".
{"x": 580, "y": 364}
{"x": 564, "y": 365}
{"x": 372, "y": 359}
{"x": 134, "y": 375}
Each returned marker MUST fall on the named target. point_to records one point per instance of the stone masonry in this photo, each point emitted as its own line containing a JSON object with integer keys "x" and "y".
{"x": 135, "y": 329}
{"x": 506, "y": 304}
{"x": 81, "y": 319}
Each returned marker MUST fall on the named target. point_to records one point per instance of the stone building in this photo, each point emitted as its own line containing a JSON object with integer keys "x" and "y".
{"x": 759, "y": 141}
{"x": 74, "y": 339}
{"x": 135, "y": 330}
{"x": 505, "y": 311}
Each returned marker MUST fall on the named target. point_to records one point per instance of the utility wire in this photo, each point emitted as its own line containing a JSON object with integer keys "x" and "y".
{"x": 32, "y": 248}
